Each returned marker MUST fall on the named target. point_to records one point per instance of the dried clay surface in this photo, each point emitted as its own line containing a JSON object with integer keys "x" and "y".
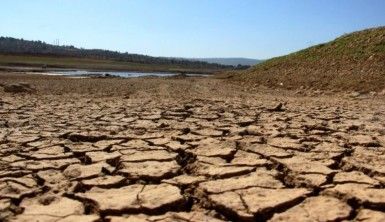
{"x": 194, "y": 149}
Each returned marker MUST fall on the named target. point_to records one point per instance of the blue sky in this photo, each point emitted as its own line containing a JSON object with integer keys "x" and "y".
{"x": 189, "y": 28}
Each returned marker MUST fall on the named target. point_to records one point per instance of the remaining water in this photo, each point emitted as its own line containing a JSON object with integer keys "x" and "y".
{"x": 128, "y": 74}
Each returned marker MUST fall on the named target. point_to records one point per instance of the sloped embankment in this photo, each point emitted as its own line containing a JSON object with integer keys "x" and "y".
{"x": 354, "y": 61}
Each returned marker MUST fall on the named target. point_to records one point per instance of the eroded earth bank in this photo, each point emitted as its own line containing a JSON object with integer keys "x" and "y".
{"x": 195, "y": 149}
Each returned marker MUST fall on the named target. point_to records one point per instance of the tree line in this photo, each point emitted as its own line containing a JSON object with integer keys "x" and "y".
{"x": 15, "y": 46}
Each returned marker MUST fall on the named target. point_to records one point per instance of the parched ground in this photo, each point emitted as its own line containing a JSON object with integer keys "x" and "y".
{"x": 195, "y": 149}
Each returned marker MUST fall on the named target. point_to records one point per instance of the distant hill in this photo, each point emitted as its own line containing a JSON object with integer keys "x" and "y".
{"x": 353, "y": 61}
{"x": 230, "y": 61}
{"x": 20, "y": 47}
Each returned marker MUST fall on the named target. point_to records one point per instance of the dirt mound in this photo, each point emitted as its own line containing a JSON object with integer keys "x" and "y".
{"x": 17, "y": 88}
{"x": 354, "y": 61}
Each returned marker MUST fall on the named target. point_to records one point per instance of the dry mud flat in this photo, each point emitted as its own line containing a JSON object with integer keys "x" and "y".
{"x": 157, "y": 155}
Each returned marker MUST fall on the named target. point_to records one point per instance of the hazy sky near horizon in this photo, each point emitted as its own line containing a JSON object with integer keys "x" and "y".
{"x": 189, "y": 28}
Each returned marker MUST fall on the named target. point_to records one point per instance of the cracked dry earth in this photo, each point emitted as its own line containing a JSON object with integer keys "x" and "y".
{"x": 168, "y": 157}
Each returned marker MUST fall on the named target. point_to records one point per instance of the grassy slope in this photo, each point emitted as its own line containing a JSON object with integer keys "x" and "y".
{"x": 351, "y": 62}
{"x": 95, "y": 64}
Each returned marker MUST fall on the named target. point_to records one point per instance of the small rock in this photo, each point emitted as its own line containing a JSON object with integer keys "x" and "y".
{"x": 277, "y": 108}
{"x": 18, "y": 88}
{"x": 355, "y": 94}
{"x": 372, "y": 93}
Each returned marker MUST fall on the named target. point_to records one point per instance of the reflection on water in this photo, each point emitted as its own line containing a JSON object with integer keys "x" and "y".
{"x": 127, "y": 74}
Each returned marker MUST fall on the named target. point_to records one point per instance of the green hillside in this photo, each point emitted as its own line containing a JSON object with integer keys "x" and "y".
{"x": 353, "y": 61}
